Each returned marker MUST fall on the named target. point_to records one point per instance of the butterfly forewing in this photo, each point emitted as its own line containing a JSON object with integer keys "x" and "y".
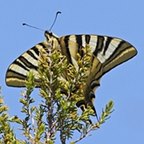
{"x": 28, "y": 61}
{"x": 107, "y": 51}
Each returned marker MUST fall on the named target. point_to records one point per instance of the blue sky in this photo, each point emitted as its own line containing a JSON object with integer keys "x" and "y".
{"x": 124, "y": 84}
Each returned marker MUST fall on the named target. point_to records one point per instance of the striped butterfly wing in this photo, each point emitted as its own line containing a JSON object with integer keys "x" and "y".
{"x": 108, "y": 52}
{"x": 28, "y": 61}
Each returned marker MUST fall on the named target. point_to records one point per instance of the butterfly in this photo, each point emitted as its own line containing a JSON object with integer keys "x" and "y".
{"x": 107, "y": 53}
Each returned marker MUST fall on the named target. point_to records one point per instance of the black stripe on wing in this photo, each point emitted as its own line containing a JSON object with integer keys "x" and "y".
{"x": 79, "y": 44}
{"x": 108, "y": 41}
{"x": 87, "y": 38}
{"x": 99, "y": 45}
{"x": 66, "y": 46}
{"x": 27, "y": 63}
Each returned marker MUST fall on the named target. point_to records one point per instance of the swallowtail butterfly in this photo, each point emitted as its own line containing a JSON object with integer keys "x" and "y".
{"x": 107, "y": 53}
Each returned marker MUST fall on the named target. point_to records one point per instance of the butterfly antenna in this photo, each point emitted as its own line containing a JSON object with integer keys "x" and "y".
{"x": 25, "y": 24}
{"x": 58, "y": 12}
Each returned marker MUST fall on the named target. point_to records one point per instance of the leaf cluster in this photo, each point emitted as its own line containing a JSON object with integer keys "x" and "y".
{"x": 61, "y": 87}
